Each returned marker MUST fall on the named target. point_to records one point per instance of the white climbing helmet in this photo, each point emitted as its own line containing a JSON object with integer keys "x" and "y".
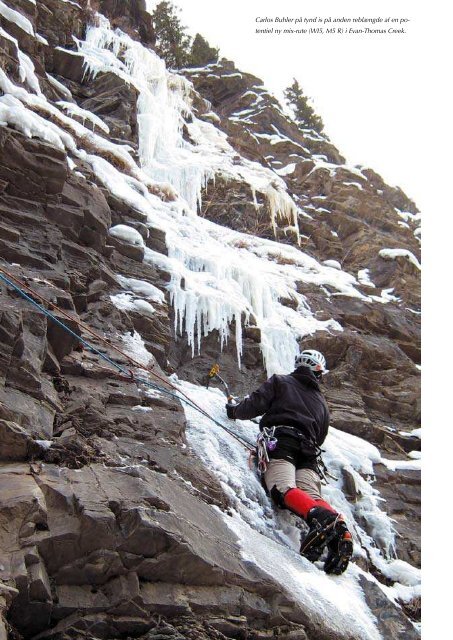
{"x": 312, "y": 359}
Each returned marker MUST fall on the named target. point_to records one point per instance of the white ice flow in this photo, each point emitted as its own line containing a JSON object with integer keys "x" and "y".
{"x": 218, "y": 276}
{"x": 164, "y": 109}
{"x": 269, "y": 538}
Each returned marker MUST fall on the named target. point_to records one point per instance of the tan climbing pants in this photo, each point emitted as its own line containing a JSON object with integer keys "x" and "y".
{"x": 285, "y": 476}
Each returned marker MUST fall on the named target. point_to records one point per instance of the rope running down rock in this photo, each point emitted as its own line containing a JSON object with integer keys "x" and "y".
{"x": 10, "y": 280}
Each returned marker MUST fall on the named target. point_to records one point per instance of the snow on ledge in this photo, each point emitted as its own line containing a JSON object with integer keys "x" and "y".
{"x": 127, "y": 234}
{"x": 397, "y": 465}
{"x": 18, "y": 18}
{"x": 141, "y": 287}
{"x": 363, "y": 276}
{"x": 332, "y": 263}
{"x": 415, "y": 433}
{"x": 391, "y": 254}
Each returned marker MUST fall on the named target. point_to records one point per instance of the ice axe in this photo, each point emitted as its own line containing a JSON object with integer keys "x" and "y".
{"x": 214, "y": 373}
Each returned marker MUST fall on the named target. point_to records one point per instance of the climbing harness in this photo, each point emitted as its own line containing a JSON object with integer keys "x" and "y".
{"x": 267, "y": 441}
{"x": 310, "y": 444}
{"x": 10, "y": 280}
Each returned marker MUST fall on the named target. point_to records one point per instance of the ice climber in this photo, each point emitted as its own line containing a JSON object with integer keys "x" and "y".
{"x": 294, "y": 424}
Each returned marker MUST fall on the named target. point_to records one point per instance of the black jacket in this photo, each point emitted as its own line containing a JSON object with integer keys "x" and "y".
{"x": 294, "y": 400}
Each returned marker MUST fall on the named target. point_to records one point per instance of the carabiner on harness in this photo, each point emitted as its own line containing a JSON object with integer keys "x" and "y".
{"x": 265, "y": 442}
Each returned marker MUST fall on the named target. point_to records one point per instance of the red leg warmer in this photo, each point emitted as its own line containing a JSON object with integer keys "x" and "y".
{"x": 325, "y": 505}
{"x": 299, "y": 502}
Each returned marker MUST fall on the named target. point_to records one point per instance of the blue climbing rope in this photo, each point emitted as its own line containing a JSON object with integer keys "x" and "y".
{"x": 126, "y": 372}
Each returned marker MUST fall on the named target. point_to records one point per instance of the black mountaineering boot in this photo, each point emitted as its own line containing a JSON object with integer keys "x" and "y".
{"x": 340, "y": 550}
{"x": 322, "y": 531}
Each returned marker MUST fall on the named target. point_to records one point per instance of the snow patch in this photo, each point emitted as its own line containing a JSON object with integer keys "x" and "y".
{"x": 333, "y": 263}
{"x": 363, "y": 276}
{"x": 286, "y": 171}
{"x": 134, "y": 346}
{"x": 415, "y": 433}
{"x": 395, "y": 465}
{"x": 141, "y": 287}
{"x": 74, "y": 110}
{"x": 59, "y": 86}
{"x": 391, "y": 254}
{"x": 127, "y": 234}
{"x": 18, "y": 18}
{"x": 128, "y": 302}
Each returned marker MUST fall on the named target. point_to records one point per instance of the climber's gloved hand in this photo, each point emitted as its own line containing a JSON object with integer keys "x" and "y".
{"x": 231, "y": 410}
{"x": 231, "y": 407}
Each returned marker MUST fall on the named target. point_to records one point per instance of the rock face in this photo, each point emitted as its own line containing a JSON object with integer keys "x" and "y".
{"x": 124, "y": 544}
{"x": 110, "y": 524}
